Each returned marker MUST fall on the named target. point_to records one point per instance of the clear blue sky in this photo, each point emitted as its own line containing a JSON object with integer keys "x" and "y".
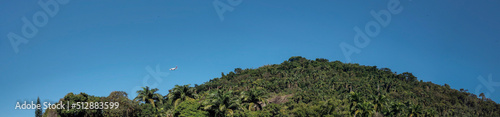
{"x": 99, "y": 47}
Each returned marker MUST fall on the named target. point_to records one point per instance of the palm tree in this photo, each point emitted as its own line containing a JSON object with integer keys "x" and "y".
{"x": 331, "y": 106}
{"x": 414, "y": 110}
{"x": 254, "y": 95}
{"x": 364, "y": 109}
{"x": 354, "y": 98}
{"x": 431, "y": 113}
{"x": 379, "y": 103}
{"x": 181, "y": 93}
{"x": 148, "y": 96}
{"x": 482, "y": 96}
{"x": 289, "y": 82}
{"x": 221, "y": 103}
{"x": 396, "y": 108}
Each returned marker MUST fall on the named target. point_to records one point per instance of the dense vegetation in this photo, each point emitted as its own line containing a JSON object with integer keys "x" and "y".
{"x": 297, "y": 87}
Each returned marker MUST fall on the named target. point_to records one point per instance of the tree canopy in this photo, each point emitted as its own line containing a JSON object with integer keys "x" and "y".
{"x": 298, "y": 87}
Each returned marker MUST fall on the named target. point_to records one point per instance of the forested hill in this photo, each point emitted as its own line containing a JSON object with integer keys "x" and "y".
{"x": 299, "y": 87}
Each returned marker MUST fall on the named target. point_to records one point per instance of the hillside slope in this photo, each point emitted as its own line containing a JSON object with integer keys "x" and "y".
{"x": 313, "y": 81}
{"x": 299, "y": 87}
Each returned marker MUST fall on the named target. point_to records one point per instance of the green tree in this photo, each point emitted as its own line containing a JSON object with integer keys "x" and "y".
{"x": 82, "y": 97}
{"x": 127, "y": 107}
{"x": 147, "y": 110}
{"x": 409, "y": 77}
{"x": 306, "y": 110}
{"x": 364, "y": 109}
{"x": 396, "y": 108}
{"x": 315, "y": 88}
{"x": 149, "y": 96}
{"x": 354, "y": 99}
{"x": 38, "y": 112}
{"x": 331, "y": 107}
{"x": 189, "y": 108}
{"x": 275, "y": 110}
{"x": 379, "y": 103}
{"x": 255, "y": 96}
{"x": 238, "y": 70}
{"x": 221, "y": 103}
{"x": 181, "y": 93}
{"x": 414, "y": 110}
{"x": 483, "y": 97}
{"x": 431, "y": 113}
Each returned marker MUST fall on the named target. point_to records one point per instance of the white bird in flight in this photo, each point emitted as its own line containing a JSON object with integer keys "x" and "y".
{"x": 172, "y": 69}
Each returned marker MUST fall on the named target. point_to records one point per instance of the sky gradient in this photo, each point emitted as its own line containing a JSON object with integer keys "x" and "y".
{"x": 98, "y": 47}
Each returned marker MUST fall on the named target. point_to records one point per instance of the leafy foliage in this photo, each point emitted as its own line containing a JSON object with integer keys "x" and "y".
{"x": 299, "y": 87}
{"x": 149, "y": 96}
{"x": 181, "y": 93}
